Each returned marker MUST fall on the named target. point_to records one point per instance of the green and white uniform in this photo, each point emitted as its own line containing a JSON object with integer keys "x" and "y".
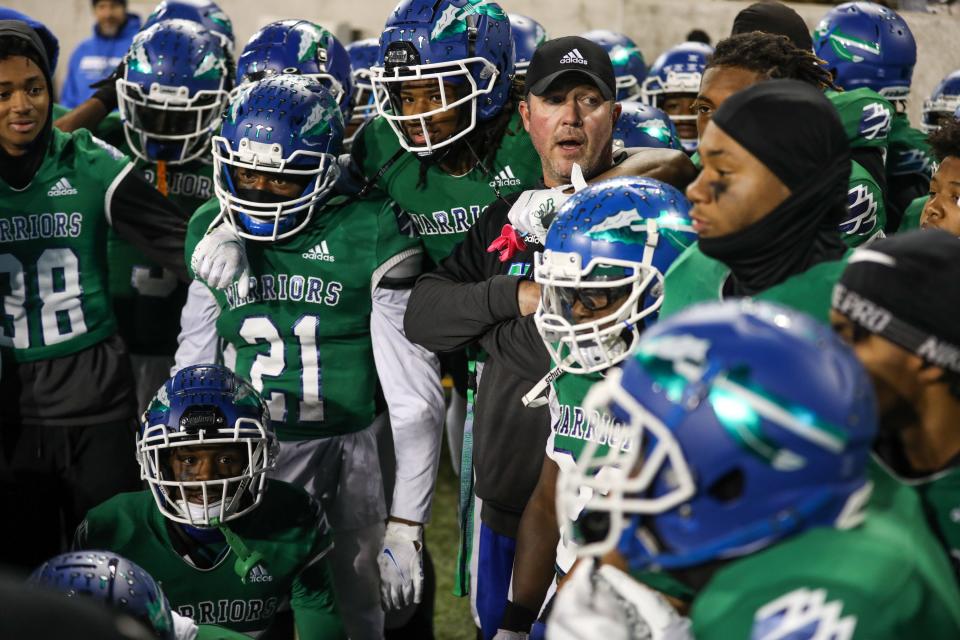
{"x": 909, "y": 151}
{"x": 694, "y": 278}
{"x": 881, "y": 580}
{"x": 287, "y": 529}
{"x": 911, "y": 217}
{"x": 445, "y": 207}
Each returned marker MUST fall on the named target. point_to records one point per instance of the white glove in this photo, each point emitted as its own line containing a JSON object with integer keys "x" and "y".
{"x": 220, "y": 258}
{"x": 503, "y": 634}
{"x": 401, "y": 566}
{"x": 607, "y": 603}
{"x": 184, "y": 628}
{"x": 533, "y": 211}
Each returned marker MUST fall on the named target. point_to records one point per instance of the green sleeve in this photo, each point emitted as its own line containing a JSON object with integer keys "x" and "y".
{"x": 395, "y": 238}
{"x": 314, "y": 608}
{"x": 911, "y": 217}
{"x": 102, "y": 161}
{"x": 374, "y": 146}
{"x": 866, "y": 212}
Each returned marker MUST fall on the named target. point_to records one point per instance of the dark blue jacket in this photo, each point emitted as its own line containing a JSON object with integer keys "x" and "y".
{"x": 94, "y": 59}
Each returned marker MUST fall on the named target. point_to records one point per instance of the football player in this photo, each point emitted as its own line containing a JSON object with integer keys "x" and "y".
{"x": 672, "y": 85}
{"x": 743, "y": 60}
{"x": 66, "y": 378}
{"x": 943, "y": 102}
{"x": 228, "y": 544}
{"x": 940, "y": 209}
{"x": 868, "y": 45}
{"x": 601, "y": 278}
{"x": 766, "y": 220}
{"x": 206, "y": 13}
{"x": 319, "y": 328}
{"x": 628, "y": 63}
{"x": 754, "y": 491}
{"x": 641, "y": 125}
{"x": 166, "y": 126}
{"x": 363, "y": 56}
{"x": 893, "y": 305}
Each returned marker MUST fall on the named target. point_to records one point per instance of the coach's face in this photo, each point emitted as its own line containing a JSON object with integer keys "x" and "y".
{"x": 570, "y": 122}
{"x": 24, "y": 103}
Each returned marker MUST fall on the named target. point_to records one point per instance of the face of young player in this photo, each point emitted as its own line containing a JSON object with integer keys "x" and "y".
{"x": 681, "y": 104}
{"x": 734, "y": 190}
{"x": 201, "y": 463}
{"x": 716, "y": 85}
{"x": 278, "y": 184}
{"x": 423, "y": 96}
{"x": 893, "y": 370}
{"x": 570, "y": 123}
{"x": 592, "y": 304}
{"x": 942, "y": 210}
{"x": 24, "y": 103}
{"x": 110, "y": 16}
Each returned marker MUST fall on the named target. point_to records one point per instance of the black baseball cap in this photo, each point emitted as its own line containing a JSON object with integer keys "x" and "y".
{"x": 571, "y": 54}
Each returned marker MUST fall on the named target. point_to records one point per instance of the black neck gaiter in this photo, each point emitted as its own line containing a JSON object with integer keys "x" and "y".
{"x": 811, "y": 157}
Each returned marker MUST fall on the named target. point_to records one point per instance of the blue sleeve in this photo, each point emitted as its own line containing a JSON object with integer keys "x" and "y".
{"x": 73, "y": 92}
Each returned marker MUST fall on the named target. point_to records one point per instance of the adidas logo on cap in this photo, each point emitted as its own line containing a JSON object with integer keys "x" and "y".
{"x": 573, "y": 57}
{"x": 320, "y": 252}
{"x": 259, "y": 574}
{"x": 62, "y": 188}
{"x": 505, "y": 178}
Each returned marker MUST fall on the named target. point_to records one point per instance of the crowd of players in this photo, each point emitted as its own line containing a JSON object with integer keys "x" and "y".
{"x": 698, "y": 318}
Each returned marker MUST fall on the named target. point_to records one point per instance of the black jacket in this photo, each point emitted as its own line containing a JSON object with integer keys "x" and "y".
{"x": 471, "y": 300}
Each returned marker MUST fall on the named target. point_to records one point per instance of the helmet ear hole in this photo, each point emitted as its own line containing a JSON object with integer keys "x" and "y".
{"x": 728, "y": 487}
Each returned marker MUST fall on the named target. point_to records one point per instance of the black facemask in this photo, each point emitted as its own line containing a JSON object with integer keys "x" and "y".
{"x": 261, "y": 196}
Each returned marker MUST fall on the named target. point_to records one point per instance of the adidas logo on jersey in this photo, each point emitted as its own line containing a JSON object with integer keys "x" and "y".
{"x": 320, "y": 252}
{"x": 573, "y": 57}
{"x": 62, "y": 188}
{"x": 505, "y": 178}
{"x": 259, "y": 574}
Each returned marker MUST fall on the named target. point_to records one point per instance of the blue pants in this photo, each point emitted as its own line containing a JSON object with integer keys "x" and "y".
{"x": 494, "y": 568}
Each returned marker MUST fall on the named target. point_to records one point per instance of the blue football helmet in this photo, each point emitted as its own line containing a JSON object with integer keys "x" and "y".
{"x": 677, "y": 72}
{"x": 942, "y": 103}
{"x": 528, "y": 34}
{"x": 284, "y": 125}
{"x": 627, "y": 59}
{"x": 118, "y": 583}
{"x": 364, "y": 55}
{"x": 609, "y": 244}
{"x": 176, "y": 84}
{"x": 206, "y": 405}
{"x": 203, "y": 12}
{"x": 867, "y": 45}
{"x": 752, "y": 423}
{"x": 463, "y": 45}
{"x": 302, "y": 48}
{"x": 641, "y": 125}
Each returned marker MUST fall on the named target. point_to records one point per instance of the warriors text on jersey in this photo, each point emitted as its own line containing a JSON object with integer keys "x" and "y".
{"x": 287, "y": 529}
{"x": 53, "y": 257}
{"x": 694, "y": 278}
{"x": 302, "y": 336}
{"x": 446, "y": 206}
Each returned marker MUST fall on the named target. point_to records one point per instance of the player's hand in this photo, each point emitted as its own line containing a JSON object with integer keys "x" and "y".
{"x": 184, "y": 628}
{"x": 606, "y": 603}
{"x": 401, "y": 565}
{"x": 533, "y": 211}
{"x": 220, "y": 258}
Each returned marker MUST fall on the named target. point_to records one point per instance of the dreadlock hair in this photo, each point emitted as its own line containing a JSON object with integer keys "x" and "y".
{"x": 945, "y": 141}
{"x": 773, "y": 56}
{"x": 481, "y": 144}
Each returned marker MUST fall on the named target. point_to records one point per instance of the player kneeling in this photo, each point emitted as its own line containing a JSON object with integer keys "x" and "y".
{"x": 229, "y": 545}
{"x": 748, "y": 485}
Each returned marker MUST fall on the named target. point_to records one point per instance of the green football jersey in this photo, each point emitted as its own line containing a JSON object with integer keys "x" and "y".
{"x": 146, "y": 297}
{"x": 445, "y": 206}
{"x": 286, "y": 528}
{"x": 866, "y": 209}
{"x": 573, "y": 426}
{"x": 911, "y": 217}
{"x": 302, "y": 336}
{"x": 694, "y": 278}
{"x": 909, "y": 151}
{"x": 939, "y": 496}
{"x": 873, "y": 582}
{"x": 867, "y": 117}
{"x": 53, "y": 250}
